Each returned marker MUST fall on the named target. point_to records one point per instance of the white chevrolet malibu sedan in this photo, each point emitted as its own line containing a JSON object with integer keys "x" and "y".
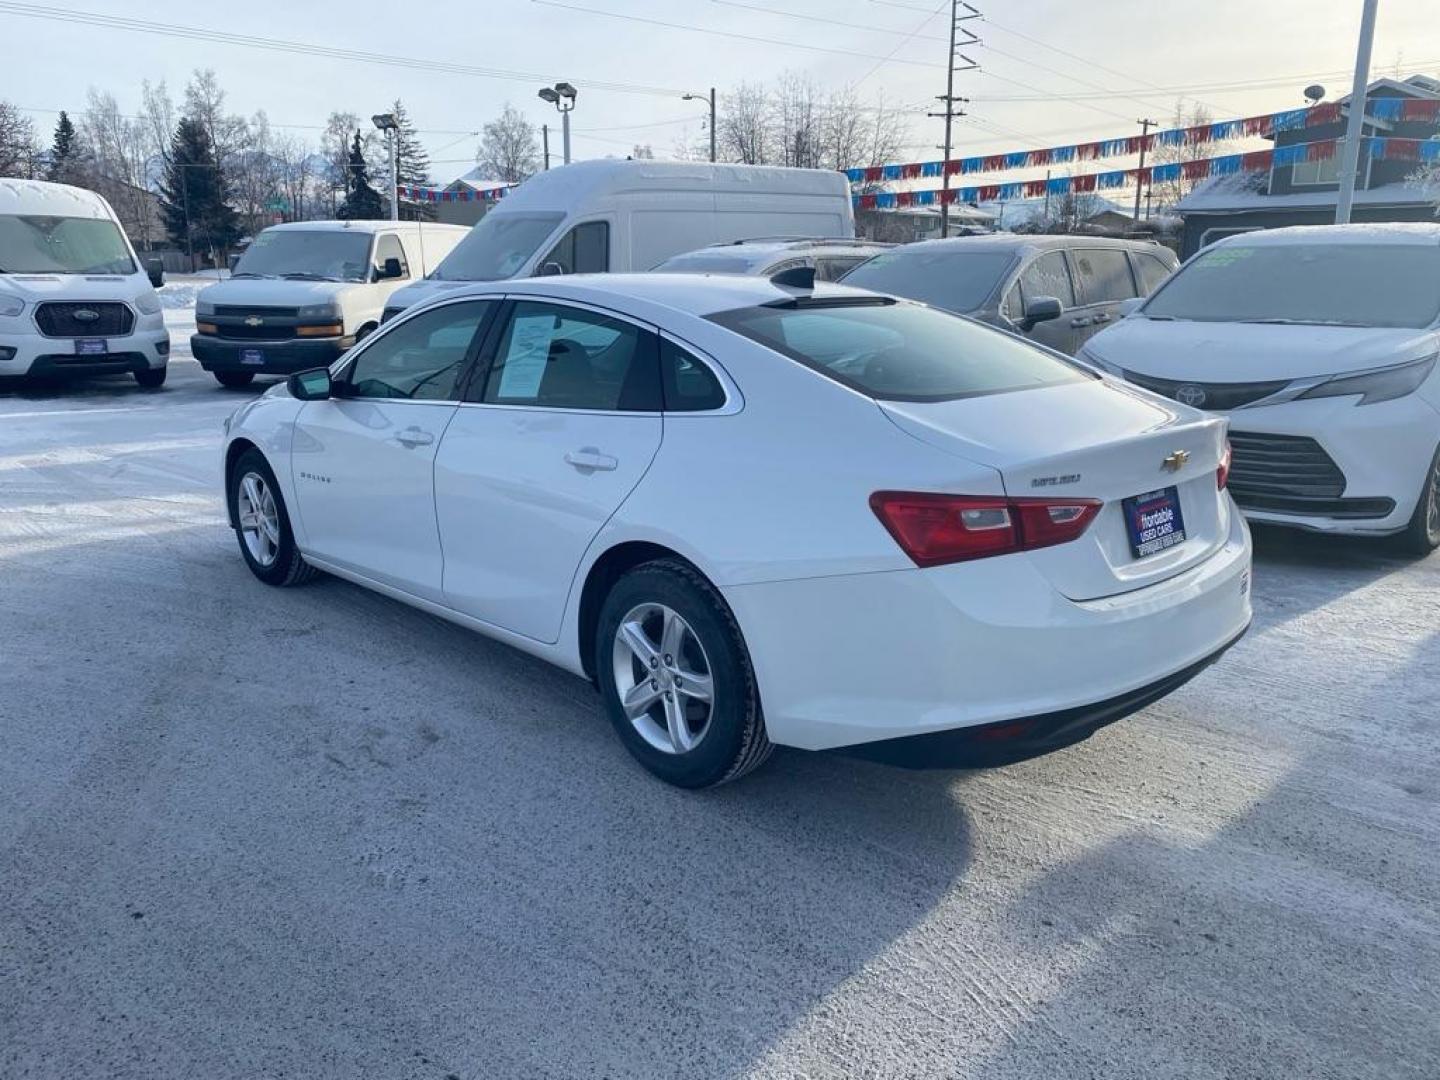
{"x": 756, "y": 513}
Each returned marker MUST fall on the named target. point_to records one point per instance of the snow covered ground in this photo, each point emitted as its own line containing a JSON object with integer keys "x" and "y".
{"x": 250, "y": 832}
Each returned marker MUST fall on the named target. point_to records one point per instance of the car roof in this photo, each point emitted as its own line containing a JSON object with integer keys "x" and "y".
{"x": 363, "y": 226}
{"x": 1410, "y": 232}
{"x": 1022, "y": 243}
{"x": 690, "y": 294}
{"x": 51, "y": 200}
{"x": 758, "y": 253}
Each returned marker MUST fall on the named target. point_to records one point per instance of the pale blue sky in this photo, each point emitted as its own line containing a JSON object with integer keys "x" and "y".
{"x": 1222, "y": 51}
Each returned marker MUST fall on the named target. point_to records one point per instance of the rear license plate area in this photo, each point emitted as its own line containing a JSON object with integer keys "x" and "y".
{"x": 91, "y": 346}
{"x": 1153, "y": 521}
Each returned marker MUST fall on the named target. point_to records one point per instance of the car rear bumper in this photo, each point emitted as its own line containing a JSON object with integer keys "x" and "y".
{"x": 1380, "y": 454}
{"x": 38, "y": 356}
{"x": 277, "y": 357}
{"x": 860, "y": 658}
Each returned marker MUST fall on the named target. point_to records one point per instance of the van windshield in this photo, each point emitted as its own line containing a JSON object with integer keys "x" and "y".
{"x": 307, "y": 255}
{"x": 1317, "y": 284}
{"x": 497, "y": 247}
{"x": 33, "y": 244}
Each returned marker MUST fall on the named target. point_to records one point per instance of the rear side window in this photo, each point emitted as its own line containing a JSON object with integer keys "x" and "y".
{"x": 836, "y": 267}
{"x": 558, "y": 357}
{"x": 585, "y": 249}
{"x": 1150, "y": 270}
{"x": 688, "y": 383}
{"x": 1104, "y": 275}
{"x": 1048, "y": 276}
{"x": 900, "y": 352}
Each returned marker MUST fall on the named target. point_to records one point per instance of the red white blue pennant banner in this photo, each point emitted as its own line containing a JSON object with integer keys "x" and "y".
{"x": 1418, "y": 150}
{"x": 1388, "y": 109}
{"x": 436, "y": 195}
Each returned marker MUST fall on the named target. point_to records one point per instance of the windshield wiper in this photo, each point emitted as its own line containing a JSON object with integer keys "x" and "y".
{"x": 305, "y": 275}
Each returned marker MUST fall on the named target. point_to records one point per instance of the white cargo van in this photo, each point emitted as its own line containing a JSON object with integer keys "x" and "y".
{"x": 597, "y": 216}
{"x": 73, "y": 297}
{"x": 305, "y": 292}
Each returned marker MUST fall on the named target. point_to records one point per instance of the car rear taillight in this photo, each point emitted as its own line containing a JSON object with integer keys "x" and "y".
{"x": 934, "y": 529}
{"x": 1222, "y": 474}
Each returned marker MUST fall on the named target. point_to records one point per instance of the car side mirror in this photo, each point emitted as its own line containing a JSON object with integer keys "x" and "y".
{"x": 1041, "y": 309}
{"x": 389, "y": 270}
{"x": 312, "y": 385}
{"x": 155, "y": 271}
{"x": 1129, "y": 307}
{"x": 550, "y": 269}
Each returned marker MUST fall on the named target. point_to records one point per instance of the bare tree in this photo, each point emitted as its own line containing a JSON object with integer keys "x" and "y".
{"x": 158, "y": 113}
{"x": 508, "y": 150}
{"x": 796, "y": 119}
{"x": 643, "y": 152}
{"x": 17, "y": 143}
{"x": 743, "y": 128}
{"x": 1169, "y": 192}
{"x": 119, "y": 149}
{"x": 205, "y": 102}
{"x": 296, "y": 174}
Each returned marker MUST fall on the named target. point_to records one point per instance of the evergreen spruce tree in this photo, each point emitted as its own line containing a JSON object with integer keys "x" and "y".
{"x": 64, "y": 165}
{"x": 362, "y": 202}
{"x": 194, "y": 199}
{"x": 412, "y": 165}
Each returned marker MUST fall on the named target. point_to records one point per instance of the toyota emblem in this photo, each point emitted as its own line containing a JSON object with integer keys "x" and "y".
{"x": 85, "y": 314}
{"x": 1191, "y": 395}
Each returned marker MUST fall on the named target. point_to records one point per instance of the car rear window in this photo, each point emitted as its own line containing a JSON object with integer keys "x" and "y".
{"x": 958, "y": 278}
{"x": 899, "y": 351}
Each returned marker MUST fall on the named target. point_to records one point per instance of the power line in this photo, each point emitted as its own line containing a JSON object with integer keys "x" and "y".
{"x": 827, "y": 21}
{"x": 903, "y": 41}
{"x": 116, "y": 22}
{"x": 729, "y": 34}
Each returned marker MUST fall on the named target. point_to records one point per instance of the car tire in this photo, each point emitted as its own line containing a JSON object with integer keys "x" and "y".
{"x": 152, "y": 378}
{"x": 269, "y": 548}
{"x": 1422, "y": 535}
{"x": 672, "y": 728}
{"x": 234, "y": 379}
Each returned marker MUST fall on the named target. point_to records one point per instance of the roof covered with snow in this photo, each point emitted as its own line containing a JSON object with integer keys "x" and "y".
{"x": 1408, "y": 232}
{"x": 1241, "y": 192}
{"x": 49, "y": 200}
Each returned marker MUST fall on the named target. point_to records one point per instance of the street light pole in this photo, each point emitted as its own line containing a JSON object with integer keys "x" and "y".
{"x": 710, "y": 97}
{"x": 562, "y": 95}
{"x": 1355, "y": 128}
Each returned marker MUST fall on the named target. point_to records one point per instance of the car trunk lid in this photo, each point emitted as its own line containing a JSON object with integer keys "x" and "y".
{"x": 1090, "y": 440}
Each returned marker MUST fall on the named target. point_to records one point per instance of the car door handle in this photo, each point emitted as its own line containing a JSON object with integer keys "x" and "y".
{"x": 590, "y": 459}
{"x": 413, "y": 437}
{"x": 1082, "y": 321}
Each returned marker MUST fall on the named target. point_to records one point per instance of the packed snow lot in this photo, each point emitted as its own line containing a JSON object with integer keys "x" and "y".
{"x": 250, "y": 832}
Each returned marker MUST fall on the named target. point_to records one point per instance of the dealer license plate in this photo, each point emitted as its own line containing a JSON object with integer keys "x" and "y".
{"x": 1154, "y": 521}
{"x": 252, "y": 356}
{"x": 87, "y": 346}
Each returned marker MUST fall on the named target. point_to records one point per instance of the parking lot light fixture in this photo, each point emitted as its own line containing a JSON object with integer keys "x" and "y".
{"x": 562, "y": 95}
{"x": 390, "y": 125}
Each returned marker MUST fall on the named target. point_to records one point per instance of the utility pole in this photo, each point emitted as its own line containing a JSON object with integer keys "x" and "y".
{"x": 949, "y": 100}
{"x": 712, "y": 125}
{"x": 1145, "y": 126}
{"x": 545, "y": 139}
{"x": 1355, "y": 127}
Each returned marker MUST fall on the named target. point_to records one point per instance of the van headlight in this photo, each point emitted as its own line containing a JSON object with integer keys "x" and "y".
{"x": 204, "y": 308}
{"x": 1383, "y": 384}
{"x": 148, "y": 303}
{"x": 319, "y": 311}
{"x": 11, "y": 305}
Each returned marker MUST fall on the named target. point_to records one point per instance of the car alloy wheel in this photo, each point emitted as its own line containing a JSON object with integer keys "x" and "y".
{"x": 663, "y": 678}
{"x": 259, "y": 520}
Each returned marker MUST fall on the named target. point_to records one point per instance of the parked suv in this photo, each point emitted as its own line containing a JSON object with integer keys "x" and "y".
{"x": 73, "y": 297}
{"x": 305, "y": 292}
{"x": 831, "y": 259}
{"x": 1059, "y": 290}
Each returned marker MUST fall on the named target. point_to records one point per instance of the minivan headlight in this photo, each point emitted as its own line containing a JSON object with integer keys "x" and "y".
{"x": 148, "y": 303}
{"x": 1384, "y": 384}
{"x": 11, "y": 305}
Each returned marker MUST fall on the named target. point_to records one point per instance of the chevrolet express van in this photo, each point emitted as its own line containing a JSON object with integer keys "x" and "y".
{"x": 598, "y": 216}
{"x": 74, "y": 299}
{"x": 306, "y": 291}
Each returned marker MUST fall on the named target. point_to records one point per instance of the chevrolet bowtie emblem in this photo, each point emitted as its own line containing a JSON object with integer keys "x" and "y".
{"x": 1175, "y": 461}
{"x": 254, "y": 320}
